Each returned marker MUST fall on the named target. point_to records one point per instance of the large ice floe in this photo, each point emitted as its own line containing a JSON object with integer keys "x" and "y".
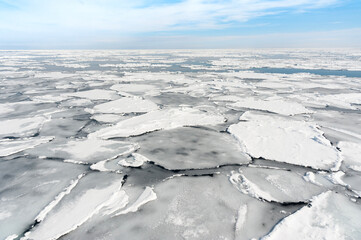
{"x": 158, "y": 120}
{"x": 125, "y": 105}
{"x": 276, "y": 185}
{"x": 84, "y": 151}
{"x": 285, "y": 140}
{"x": 22, "y": 127}
{"x": 9, "y": 146}
{"x": 277, "y": 106}
{"x": 187, "y": 208}
{"x": 330, "y": 216}
{"x": 190, "y": 148}
{"x": 180, "y": 144}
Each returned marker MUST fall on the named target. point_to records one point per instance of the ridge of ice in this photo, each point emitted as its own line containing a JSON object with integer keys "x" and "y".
{"x": 147, "y": 196}
{"x": 58, "y": 198}
{"x": 73, "y": 215}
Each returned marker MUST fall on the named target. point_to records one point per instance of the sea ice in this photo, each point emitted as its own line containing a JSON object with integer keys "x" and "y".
{"x": 285, "y": 140}
{"x": 21, "y": 127}
{"x": 133, "y": 88}
{"x": 107, "y": 118}
{"x": 273, "y": 105}
{"x": 188, "y": 208}
{"x": 9, "y": 146}
{"x": 135, "y": 160}
{"x": 191, "y": 148}
{"x": 274, "y": 185}
{"x": 27, "y": 186}
{"x": 157, "y": 120}
{"x": 125, "y": 105}
{"x": 95, "y": 94}
{"x": 330, "y": 216}
{"x": 351, "y": 154}
{"x": 85, "y": 150}
{"x": 72, "y": 211}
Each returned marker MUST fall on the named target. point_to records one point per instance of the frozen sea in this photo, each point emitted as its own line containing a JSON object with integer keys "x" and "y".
{"x": 180, "y": 144}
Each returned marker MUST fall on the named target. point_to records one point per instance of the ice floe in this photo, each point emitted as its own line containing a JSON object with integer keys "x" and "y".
{"x": 277, "y": 106}
{"x": 21, "y": 127}
{"x": 285, "y": 140}
{"x": 135, "y": 160}
{"x": 188, "y": 208}
{"x": 125, "y": 105}
{"x": 30, "y": 182}
{"x": 85, "y": 150}
{"x": 96, "y": 94}
{"x": 74, "y": 212}
{"x": 171, "y": 170}
{"x": 274, "y": 185}
{"x": 147, "y": 196}
{"x": 157, "y": 120}
{"x": 9, "y": 146}
{"x": 351, "y": 154}
{"x": 191, "y": 148}
{"x": 107, "y": 118}
{"x": 330, "y": 216}
{"x": 133, "y": 88}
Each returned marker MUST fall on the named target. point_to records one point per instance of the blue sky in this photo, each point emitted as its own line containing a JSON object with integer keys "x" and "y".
{"x": 125, "y": 24}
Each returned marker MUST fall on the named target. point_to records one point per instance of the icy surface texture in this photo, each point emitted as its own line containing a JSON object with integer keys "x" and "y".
{"x": 180, "y": 144}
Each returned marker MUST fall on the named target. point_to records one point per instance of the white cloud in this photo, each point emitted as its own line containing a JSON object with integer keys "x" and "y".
{"x": 136, "y": 17}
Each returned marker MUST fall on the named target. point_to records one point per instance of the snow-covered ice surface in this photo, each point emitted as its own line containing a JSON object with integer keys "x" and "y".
{"x": 180, "y": 144}
{"x": 285, "y": 140}
{"x": 158, "y": 120}
{"x": 330, "y": 216}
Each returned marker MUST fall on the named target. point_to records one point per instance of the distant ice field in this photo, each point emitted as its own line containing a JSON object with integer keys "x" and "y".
{"x": 180, "y": 144}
